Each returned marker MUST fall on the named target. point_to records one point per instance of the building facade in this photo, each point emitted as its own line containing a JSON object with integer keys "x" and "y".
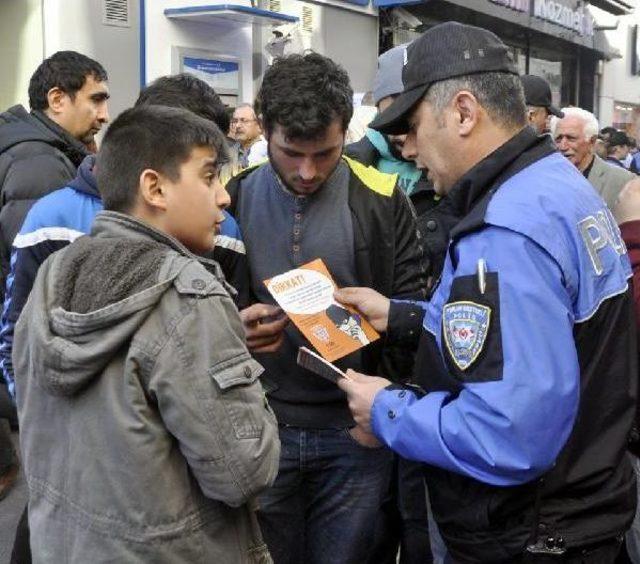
{"x": 588, "y": 51}
{"x": 619, "y": 101}
{"x": 556, "y": 39}
{"x": 229, "y": 45}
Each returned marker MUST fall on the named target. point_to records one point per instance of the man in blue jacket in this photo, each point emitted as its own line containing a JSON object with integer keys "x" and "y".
{"x": 527, "y": 354}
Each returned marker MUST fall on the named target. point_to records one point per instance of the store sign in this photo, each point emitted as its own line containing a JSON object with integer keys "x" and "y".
{"x": 220, "y": 75}
{"x": 518, "y": 5}
{"x": 576, "y": 18}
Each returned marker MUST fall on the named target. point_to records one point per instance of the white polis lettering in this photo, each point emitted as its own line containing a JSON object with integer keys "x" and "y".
{"x": 606, "y": 218}
{"x": 598, "y": 232}
{"x": 577, "y": 19}
{"x": 518, "y": 5}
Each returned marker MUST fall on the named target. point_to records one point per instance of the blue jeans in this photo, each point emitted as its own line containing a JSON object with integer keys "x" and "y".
{"x": 324, "y": 504}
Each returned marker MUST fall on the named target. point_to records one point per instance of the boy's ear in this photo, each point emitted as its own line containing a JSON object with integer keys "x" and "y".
{"x": 152, "y": 191}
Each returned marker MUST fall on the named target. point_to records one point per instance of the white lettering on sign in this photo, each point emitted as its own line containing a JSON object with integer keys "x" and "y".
{"x": 577, "y": 19}
{"x": 518, "y": 5}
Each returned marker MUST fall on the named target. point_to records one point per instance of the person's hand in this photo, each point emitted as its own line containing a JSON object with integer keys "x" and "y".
{"x": 361, "y": 390}
{"x": 627, "y": 206}
{"x": 263, "y": 327}
{"x": 364, "y": 438}
{"x": 371, "y": 304}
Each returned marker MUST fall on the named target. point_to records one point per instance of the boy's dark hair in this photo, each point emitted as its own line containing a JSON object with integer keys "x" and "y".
{"x": 304, "y": 94}
{"x": 155, "y": 137}
{"x": 188, "y": 92}
{"x": 68, "y": 70}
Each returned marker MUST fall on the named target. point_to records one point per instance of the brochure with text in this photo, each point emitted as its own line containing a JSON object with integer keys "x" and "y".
{"x": 306, "y": 296}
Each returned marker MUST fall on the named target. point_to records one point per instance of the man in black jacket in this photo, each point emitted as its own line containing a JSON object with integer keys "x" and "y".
{"x": 41, "y": 150}
{"x": 310, "y": 202}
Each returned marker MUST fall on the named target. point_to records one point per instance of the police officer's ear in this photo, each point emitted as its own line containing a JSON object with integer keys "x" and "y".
{"x": 467, "y": 110}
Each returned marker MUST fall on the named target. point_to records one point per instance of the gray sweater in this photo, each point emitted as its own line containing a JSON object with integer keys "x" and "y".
{"x": 283, "y": 231}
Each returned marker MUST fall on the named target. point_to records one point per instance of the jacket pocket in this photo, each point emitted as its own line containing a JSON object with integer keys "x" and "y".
{"x": 239, "y": 389}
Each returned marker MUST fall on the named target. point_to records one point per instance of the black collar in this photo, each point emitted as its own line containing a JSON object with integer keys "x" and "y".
{"x": 471, "y": 195}
{"x": 75, "y": 150}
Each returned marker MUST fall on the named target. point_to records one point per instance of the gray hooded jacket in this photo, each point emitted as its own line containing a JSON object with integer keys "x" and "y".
{"x": 145, "y": 433}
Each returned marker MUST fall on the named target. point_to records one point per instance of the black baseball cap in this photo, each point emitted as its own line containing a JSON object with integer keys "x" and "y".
{"x": 445, "y": 51}
{"x": 537, "y": 92}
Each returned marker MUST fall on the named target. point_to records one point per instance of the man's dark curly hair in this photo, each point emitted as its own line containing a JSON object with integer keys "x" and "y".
{"x": 304, "y": 94}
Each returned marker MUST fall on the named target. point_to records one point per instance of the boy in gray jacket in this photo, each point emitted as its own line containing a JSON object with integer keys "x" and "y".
{"x": 145, "y": 433}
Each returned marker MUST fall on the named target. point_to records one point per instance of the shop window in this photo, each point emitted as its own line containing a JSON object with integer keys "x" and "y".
{"x": 551, "y": 71}
{"x": 559, "y": 67}
{"x": 519, "y": 57}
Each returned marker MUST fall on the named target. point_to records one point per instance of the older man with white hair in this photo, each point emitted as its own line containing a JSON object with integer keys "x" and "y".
{"x": 575, "y": 136}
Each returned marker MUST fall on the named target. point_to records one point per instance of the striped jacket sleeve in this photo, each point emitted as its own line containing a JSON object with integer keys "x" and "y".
{"x": 31, "y": 247}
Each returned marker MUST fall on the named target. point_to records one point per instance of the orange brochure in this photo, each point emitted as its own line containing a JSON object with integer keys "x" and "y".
{"x": 306, "y": 296}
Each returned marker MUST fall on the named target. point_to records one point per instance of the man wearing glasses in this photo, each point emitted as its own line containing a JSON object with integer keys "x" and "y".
{"x": 246, "y": 130}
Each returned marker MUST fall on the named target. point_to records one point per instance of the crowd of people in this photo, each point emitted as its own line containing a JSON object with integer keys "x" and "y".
{"x": 489, "y": 236}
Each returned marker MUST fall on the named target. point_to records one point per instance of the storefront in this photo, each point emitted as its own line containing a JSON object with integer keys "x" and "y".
{"x": 555, "y": 39}
{"x": 626, "y": 117}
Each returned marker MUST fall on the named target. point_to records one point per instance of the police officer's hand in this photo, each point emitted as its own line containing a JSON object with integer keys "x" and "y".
{"x": 627, "y": 207}
{"x": 264, "y": 327}
{"x": 361, "y": 391}
{"x": 371, "y": 304}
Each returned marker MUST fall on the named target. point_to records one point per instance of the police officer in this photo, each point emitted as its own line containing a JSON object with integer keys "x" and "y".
{"x": 527, "y": 347}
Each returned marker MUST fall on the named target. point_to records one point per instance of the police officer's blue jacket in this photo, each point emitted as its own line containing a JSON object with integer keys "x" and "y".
{"x": 528, "y": 358}
{"x": 58, "y": 219}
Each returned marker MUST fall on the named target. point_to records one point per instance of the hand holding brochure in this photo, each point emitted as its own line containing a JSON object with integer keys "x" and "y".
{"x": 306, "y": 296}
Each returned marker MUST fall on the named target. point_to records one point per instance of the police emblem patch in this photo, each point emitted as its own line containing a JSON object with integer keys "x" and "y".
{"x": 465, "y": 326}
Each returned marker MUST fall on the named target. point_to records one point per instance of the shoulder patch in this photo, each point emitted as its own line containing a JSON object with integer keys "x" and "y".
{"x": 465, "y": 326}
{"x": 380, "y": 182}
